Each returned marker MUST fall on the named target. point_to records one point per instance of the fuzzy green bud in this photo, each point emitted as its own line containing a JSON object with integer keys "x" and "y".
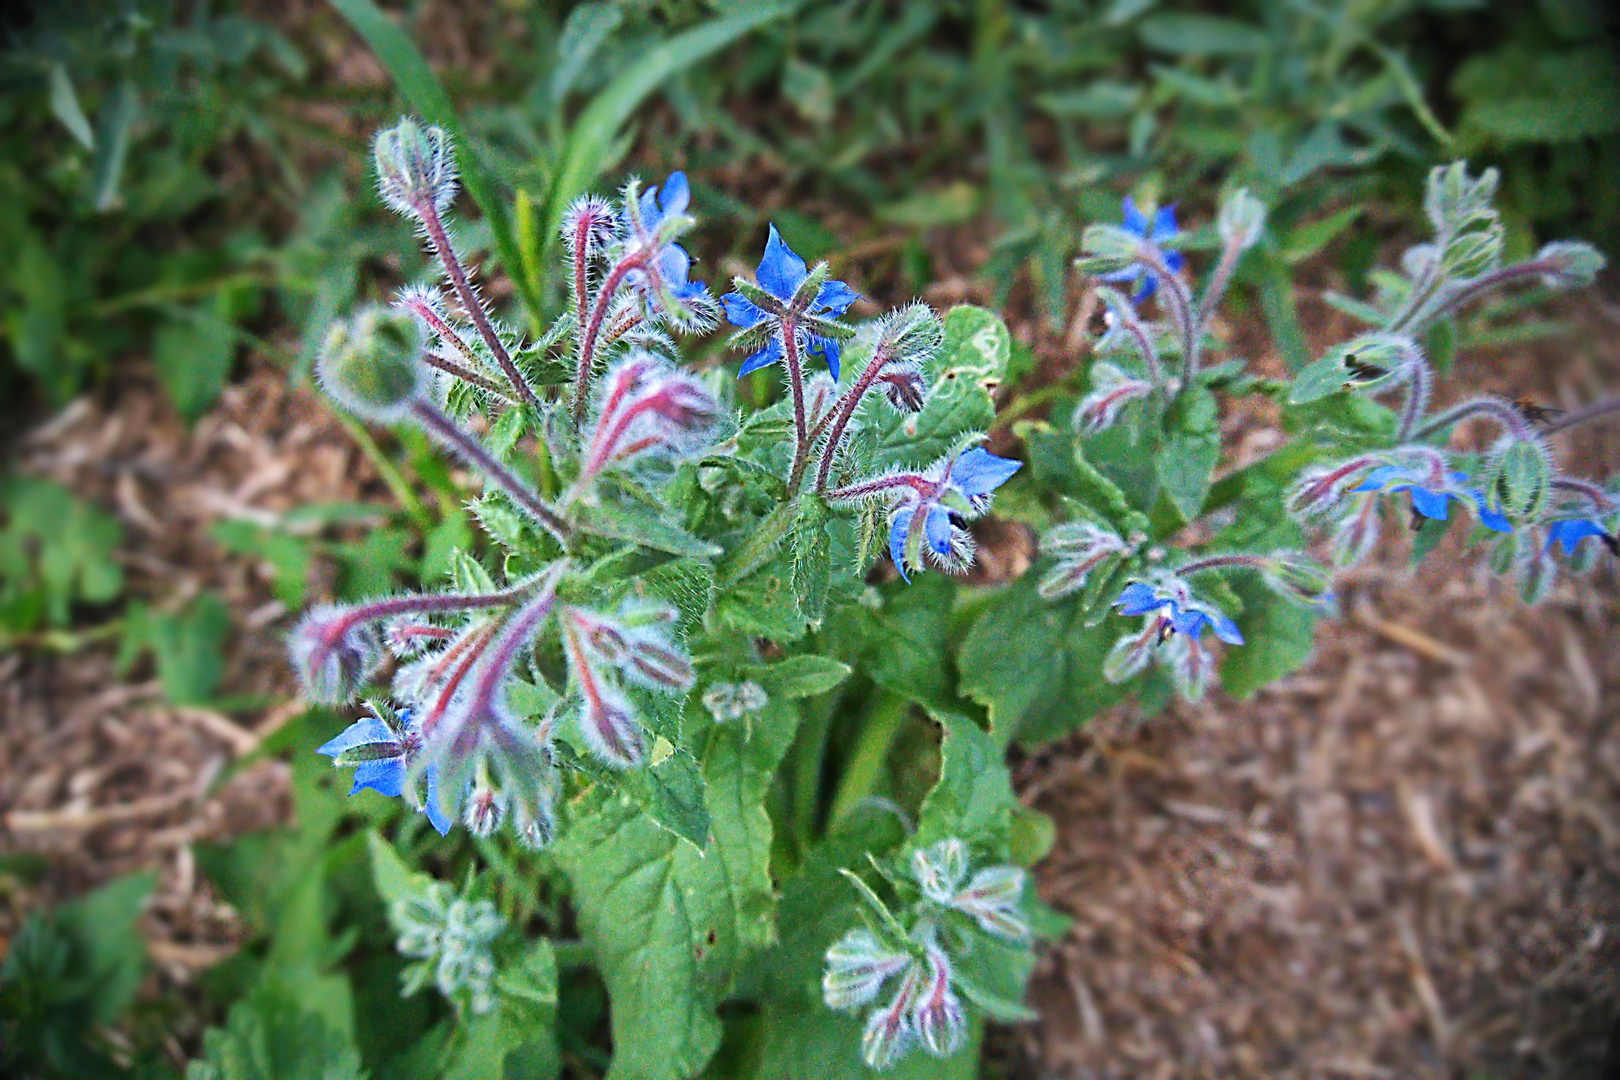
{"x": 1109, "y": 249}
{"x": 371, "y": 363}
{"x": 414, "y": 167}
{"x": 1297, "y": 576}
{"x": 1241, "y": 220}
{"x": 1518, "y": 477}
{"x": 1572, "y": 264}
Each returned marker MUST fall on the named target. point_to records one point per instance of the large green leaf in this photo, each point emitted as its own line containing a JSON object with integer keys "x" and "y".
{"x": 973, "y": 798}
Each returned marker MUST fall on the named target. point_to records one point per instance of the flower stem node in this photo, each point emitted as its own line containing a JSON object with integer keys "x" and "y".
{"x": 372, "y": 364}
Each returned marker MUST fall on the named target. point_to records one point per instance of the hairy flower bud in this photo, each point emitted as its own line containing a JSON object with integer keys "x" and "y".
{"x": 903, "y": 388}
{"x": 333, "y": 655}
{"x": 993, "y": 898}
{"x": 1111, "y": 391}
{"x": 1241, "y": 220}
{"x": 1571, "y": 264}
{"x": 730, "y": 702}
{"x": 1079, "y": 548}
{"x": 1297, "y": 576}
{"x": 889, "y": 1031}
{"x": 610, "y": 728}
{"x": 589, "y": 225}
{"x": 415, "y": 167}
{"x": 937, "y": 1014}
{"x": 858, "y": 965}
{"x": 940, "y": 869}
{"x": 1517, "y": 476}
{"x": 371, "y": 364}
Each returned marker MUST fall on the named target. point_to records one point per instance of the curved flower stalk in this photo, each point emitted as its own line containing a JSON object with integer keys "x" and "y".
{"x": 636, "y": 643}
{"x": 1079, "y": 547}
{"x": 926, "y": 1009}
{"x": 924, "y": 507}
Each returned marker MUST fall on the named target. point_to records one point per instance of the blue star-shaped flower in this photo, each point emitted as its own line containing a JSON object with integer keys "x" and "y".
{"x": 1433, "y": 502}
{"x": 671, "y": 263}
{"x": 780, "y": 274}
{"x": 1569, "y": 533}
{"x": 968, "y": 481}
{"x": 1140, "y": 598}
{"x": 381, "y": 754}
{"x": 1160, "y": 229}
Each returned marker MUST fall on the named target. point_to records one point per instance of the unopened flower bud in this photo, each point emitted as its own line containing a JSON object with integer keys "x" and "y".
{"x": 937, "y": 1014}
{"x": 610, "y": 728}
{"x": 415, "y": 167}
{"x": 371, "y": 364}
{"x": 334, "y": 656}
{"x": 1111, "y": 391}
{"x": 483, "y": 811}
{"x": 1129, "y": 656}
{"x": 1517, "y": 477}
{"x": 1297, "y": 576}
{"x": 1534, "y": 568}
{"x": 1571, "y": 264}
{"x": 1192, "y": 668}
{"x": 903, "y": 389}
{"x": 1242, "y": 219}
{"x": 889, "y": 1032}
{"x": 940, "y": 869}
{"x": 858, "y": 965}
{"x": 658, "y": 667}
{"x": 993, "y": 898}
{"x": 1079, "y": 547}
{"x": 589, "y": 225}
{"x": 730, "y": 702}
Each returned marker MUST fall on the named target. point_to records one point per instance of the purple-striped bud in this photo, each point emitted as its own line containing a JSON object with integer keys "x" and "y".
{"x": 889, "y": 1031}
{"x": 647, "y": 406}
{"x": 1319, "y": 489}
{"x": 858, "y": 965}
{"x": 1297, "y": 576}
{"x": 1111, "y": 391}
{"x": 1356, "y": 536}
{"x": 610, "y": 728}
{"x": 939, "y": 869}
{"x": 993, "y": 898}
{"x": 406, "y": 637}
{"x": 334, "y": 654}
{"x": 1079, "y": 548}
{"x": 1132, "y": 653}
{"x": 1192, "y": 668}
{"x": 415, "y": 167}
{"x": 658, "y": 667}
{"x": 937, "y": 1014}
{"x": 903, "y": 388}
{"x": 483, "y": 811}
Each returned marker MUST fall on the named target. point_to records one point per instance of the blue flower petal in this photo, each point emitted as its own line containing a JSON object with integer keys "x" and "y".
{"x": 1174, "y": 261}
{"x": 1138, "y": 599}
{"x": 1377, "y": 478}
{"x": 430, "y": 805}
{"x": 768, "y": 354}
{"x": 827, "y": 349}
{"x": 675, "y": 195}
{"x": 1489, "y": 518}
{"x": 1145, "y": 288}
{"x": 1431, "y": 504}
{"x": 1134, "y": 220}
{"x": 742, "y": 312}
{"x": 1164, "y": 223}
{"x": 1188, "y": 623}
{"x": 1227, "y": 630}
{"x": 385, "y": 776}
{"x": 780, "y": 272}
{"x": 979, "y": 472}
{"x": 363, "y": 732}
{"x": 899, "y": 525}
{"x": 833, "y": 298}
{"x": 937, "y": 529}
{"x": 1569, "y": 533}
{"x": 673, "y": 264}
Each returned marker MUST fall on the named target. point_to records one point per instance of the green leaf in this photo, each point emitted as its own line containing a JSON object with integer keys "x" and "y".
{"x": 1278, "y": 636}
{"x": 950, "y": 205}
{"x": 632, "y": 523}
{"x": 189, "y": 649}
{"x": 799, "y": 676}
{"x": 394, "y": 880}
{"x": 812, "y": 558}
{"x": 973, "y": 798}
{"x": 1201, "y": 35}
{"x": 584, "y": 33}
{"x": 1186, "y": 468}
{"x": 193, "y": 356}
{"x": 65, "y": 106}
{"x": 1304, "y": 241}
{"x": 272, "y": 1036}
{"x": 413, "y": 77}
{"x": 764, "y": 603}
{"x": 55, "y": 551}
{"x": 1101, "y": 100}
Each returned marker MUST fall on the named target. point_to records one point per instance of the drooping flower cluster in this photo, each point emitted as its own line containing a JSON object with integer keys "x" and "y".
{"x": 926, "y": 1009}
{"x": 635, "y": 643}
{"x": 1171, "y": 632}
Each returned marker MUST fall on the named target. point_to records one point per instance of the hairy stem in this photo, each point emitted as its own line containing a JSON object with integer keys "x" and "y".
{"x": 868, "y": 488}
{"x": 801, "y": 433}
{"x": 1500, "y": 411}
{"x": 1417, "y": 396}
{"x": 442, "y": 428}
{"x": 1496, "y": 279}
{"x": 465, "y": 374}
{"x": 1581, "y": 416}
{"x": 1181, "y": 311}
{"x": 841, "y": 413}
{"x": 428, "y": 215}
{"x": 1219, "y": 562}
{"x": 1595, "y": 496}
{"x": 1218, "y": 284}
{"x": 587, "y": 340}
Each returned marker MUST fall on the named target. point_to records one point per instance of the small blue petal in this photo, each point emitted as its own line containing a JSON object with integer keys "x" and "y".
{"x": 1174, "y": 261}
{"x": 1431, "y": 504}
{"x": 899, "y": 525}
{"x": 742, "y": 312}
{"x": 1227, "y": 630}
{"x": 1569, "y": 533}
{"x": 937, "y": 529}
{"x": 833, "y": 298}
{"x": 1138, "y": 599}
{"x": 1188, "y": 623}
{"x": 430, "y": 805}
{"x": 365, "y": 731}
{"x": 1145, "y": 287}
{"x": 979, "y": 472}
{"x": 385, "y": 776}
{"x": 780, "y": 272}
{"x": 675, "y": 195}
{"x": 673, "y": 264}
{"x": 1489, "y": 518}
{"x": 827, "y": 349}
{"x": 1164, "y": 223}
{"x": 1134, "y": 220}
{"x": 767, "y": 355}
{"x": 1377, "y": 478}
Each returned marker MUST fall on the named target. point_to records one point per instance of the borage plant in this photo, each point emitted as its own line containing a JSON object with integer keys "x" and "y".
{"x": 677, "y": 674}
{"x": 675, "y": 600}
